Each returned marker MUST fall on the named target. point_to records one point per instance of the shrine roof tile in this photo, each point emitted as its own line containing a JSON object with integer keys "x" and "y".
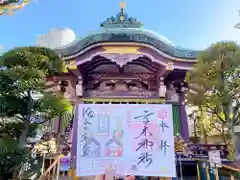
{"x": 138, "y": 35}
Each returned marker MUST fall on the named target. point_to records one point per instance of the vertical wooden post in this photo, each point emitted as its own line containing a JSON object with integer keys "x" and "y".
{"x": 49, "y": 173}
{"x": 207, "y": 172}
{"x": 198, "y": 172}
{"x": 58, "y": 169}
{"x": 54, "y": 169}
{"x": 232, "y": 177}
{"x": 216, "y": 173}
{"x": 43, "y": 164}
{"x": 73, "y": 167}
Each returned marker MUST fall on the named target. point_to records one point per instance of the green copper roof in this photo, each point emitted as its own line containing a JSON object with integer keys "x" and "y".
{"x": 137, "y": 35}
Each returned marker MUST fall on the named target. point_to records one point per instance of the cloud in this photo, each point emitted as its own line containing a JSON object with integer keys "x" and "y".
{"x": 56, "y": 38}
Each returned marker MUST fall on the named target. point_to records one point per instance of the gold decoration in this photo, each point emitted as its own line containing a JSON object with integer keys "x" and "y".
{"x": 122, "y": 49}
{"x": 72, "y": 65}
{"x": 123, "y": 100}
{"x": 52, "y": 144}
{"x": 122, "y": 5}
{"x": 180, "y": 145}
{"x": 169, "y": 66}
{"x": 121, "y": 18}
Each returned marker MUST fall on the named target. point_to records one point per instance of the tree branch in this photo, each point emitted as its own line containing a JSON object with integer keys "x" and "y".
{"x": 214, "y": 111}
{"x": 237, "y": 119}
{"x": 41, "y": 122}
{"x": 20, "y": 118}
{"x": 221, "y": 132}
{"x": 236, "y": 113}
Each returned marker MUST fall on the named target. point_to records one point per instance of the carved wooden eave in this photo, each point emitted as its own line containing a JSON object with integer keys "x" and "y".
{"x": 126, "y": 75}
{"x": 123, "y": 54}
{"x": 122, "y": 59}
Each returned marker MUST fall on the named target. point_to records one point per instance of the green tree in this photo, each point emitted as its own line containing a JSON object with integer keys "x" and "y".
{"x": 14, "y": 129}
{"x": 206, "y": 125}
{"x": 215, "y": 84}
{"x": 22, "y": 76}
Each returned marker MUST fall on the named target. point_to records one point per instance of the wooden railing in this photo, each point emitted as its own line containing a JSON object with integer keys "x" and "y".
{"x": 203, "y": 149}
{"x": 53, "y": 170}
{"x": 199, "y": 153}
{"x": 232, "y": 169}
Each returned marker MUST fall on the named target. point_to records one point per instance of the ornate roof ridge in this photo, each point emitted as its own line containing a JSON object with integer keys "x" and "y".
{"x": 121, "y": 20}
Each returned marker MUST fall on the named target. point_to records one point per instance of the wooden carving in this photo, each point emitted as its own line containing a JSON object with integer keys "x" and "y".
{"x": 125, "y": 88}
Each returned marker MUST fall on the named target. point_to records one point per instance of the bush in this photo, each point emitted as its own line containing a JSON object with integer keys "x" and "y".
{"x": 11, "y": 156}
{"x": 12, "y": 159}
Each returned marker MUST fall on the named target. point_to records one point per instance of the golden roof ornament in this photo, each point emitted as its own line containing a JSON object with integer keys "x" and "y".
{"x": 9, "y": 6}
{"x": 122, "y": 5}
{"x": 121, "y": 20}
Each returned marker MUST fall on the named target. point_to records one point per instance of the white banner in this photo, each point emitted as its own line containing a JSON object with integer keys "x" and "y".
{"x": 134, "y": 139}
{"x": 215, "y": 158}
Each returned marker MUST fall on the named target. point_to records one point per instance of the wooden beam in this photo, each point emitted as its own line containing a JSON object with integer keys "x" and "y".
{"x": 123, "y": 100}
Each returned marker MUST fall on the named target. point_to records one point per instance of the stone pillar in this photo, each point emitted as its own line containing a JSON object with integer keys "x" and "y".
{"x": 183, "y": 117}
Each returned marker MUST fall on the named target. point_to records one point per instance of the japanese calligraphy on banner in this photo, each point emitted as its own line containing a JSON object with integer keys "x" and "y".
{"x": 133, "y": 139}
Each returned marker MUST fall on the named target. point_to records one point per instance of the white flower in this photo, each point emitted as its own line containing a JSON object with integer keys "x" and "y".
{"x": 26, "y": 166}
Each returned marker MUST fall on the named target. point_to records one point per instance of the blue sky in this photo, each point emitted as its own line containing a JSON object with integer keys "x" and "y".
{"x": 187, "y": 23}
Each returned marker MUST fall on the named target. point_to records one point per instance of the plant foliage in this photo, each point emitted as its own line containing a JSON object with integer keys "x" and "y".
{"x": 215, "y": 84}
{"x": 25, "y": 70}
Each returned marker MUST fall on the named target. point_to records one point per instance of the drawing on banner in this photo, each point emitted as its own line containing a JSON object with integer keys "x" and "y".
{"x": 90, "y": 146}
{"x": 162, "y": 114}
{"x": 114, "y": 147}
{"x": 136, "y": 139}
{"x": 103, "y": 123}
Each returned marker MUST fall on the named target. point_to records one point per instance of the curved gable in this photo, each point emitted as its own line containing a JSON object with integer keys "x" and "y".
{"x": 127, "y": 35}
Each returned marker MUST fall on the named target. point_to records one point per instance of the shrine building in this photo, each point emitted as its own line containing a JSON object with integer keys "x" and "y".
{"x": 124, "y": 63}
